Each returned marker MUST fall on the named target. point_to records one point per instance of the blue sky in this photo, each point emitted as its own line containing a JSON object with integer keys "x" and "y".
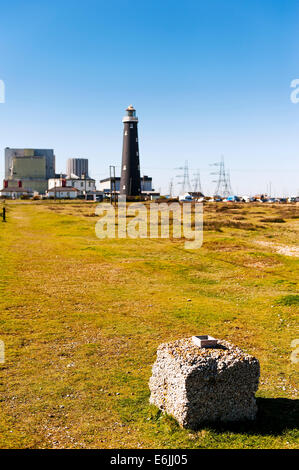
{"x": 208, "y": 78}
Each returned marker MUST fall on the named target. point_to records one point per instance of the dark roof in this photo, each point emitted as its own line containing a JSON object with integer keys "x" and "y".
{"x": 117, "y": 178}
{"x": 69, "y": 178}
{"x": 196, "y": 194}
{"x": 16, "y": 190}
{"x": 62, "y": 188}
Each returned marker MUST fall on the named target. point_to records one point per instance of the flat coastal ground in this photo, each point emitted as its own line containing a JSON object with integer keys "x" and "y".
{"x": 81, "y": 319}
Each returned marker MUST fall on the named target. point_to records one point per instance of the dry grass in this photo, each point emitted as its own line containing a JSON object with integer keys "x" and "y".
{"x": 81, "y": 319}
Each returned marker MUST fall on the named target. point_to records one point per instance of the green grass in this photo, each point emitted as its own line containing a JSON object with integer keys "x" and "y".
{"x": 82, "y": 318}
{"x": 289, "y": 300}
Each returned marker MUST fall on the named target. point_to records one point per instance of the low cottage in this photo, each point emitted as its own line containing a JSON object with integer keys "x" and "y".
{"x": 63, "y": 192}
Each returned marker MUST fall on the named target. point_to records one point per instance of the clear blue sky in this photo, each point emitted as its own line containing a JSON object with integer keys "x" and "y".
{"x": 206, "y": 77}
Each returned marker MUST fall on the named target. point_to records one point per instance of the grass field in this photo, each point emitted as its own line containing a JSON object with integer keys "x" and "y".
{"x": 82, "y": 318}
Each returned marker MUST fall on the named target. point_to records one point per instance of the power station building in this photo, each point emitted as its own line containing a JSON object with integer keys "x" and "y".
{"x": 29, "y": 169}
{"x": 32, "y": 171}
{"x": 77, "y": 167}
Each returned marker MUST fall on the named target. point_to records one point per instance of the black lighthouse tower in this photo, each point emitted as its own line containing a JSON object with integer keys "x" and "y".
{"x": 130, "y": 184}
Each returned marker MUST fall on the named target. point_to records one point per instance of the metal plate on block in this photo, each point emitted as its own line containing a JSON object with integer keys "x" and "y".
{"x": 205, "y": 341}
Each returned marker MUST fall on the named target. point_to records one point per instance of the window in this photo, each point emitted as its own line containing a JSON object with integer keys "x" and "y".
{"x": 124, "y": 186}
{"x": 126, "y": 132}
{"x": 137, "y": 154}
{"x": 131, "y": 126}
{"x": 136, "y": 139}
{"x": 124, "y": 167}
{"x": 81, "y": 184}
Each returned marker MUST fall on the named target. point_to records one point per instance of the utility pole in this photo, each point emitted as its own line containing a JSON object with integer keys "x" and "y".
{"x": 112, "y": 185}
{"x": 4, "y": 214}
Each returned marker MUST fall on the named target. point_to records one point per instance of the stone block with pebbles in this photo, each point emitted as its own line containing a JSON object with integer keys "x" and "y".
{"x": 199, "y": 385}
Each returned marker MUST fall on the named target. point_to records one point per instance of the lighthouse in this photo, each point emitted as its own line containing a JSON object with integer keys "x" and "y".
{"x": 130, "y": 184}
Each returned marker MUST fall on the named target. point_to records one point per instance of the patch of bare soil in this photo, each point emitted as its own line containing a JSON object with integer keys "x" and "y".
{"x": 281, "y": 249}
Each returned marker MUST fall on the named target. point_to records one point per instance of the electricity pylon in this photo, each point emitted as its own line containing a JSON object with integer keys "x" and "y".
{"x": 223, "y": 187}
{"x": 171, "y": 188}
{"x": 197, "y": 183}
{"x": 185, "y": 182}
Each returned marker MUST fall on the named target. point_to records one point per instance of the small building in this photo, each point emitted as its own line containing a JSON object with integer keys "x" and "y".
{"x": 62, "y": 192}
{"x": 145, "y": 182}
{"x": 15, "y": 192}
{"x": 85, "y": 186}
